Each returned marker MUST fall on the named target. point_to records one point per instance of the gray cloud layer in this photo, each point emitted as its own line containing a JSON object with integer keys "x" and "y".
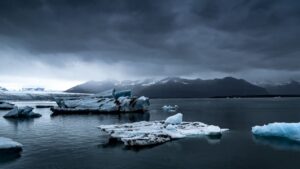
{"x": 148, "y": 38}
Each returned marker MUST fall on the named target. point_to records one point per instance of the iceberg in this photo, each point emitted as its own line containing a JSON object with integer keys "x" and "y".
{"x": 7, "y": 145}
{"x": 22, "y": 112}
{"x": 157, "y": 132}
{"x": 285, "y": 130}
{"x": 6, "y": 105}
{"x": 171, "y": 109}
{"x": 121, "y": 102}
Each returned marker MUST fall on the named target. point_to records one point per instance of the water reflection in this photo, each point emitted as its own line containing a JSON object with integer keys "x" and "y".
{"x": 28, "y": 122}
{"x": 134, "y": 117}
{"x": 110, "y": 118}
{"x": 8, "y": 156}
{"x": 277, "y": 143}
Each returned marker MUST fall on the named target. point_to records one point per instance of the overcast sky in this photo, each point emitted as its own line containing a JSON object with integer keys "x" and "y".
{"x": 59, "y": 43}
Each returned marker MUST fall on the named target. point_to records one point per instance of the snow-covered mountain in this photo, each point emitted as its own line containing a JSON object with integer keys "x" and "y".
{"x": 290, "y": 88}
{"x": 175, "y": 87}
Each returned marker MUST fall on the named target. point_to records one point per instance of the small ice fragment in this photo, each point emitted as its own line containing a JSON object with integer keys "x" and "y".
{"x": 175, "y": 119}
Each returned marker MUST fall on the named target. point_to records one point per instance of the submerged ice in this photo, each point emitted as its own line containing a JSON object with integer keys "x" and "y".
{"x": 286, "y": 130}
{"x": 156, "y": 132}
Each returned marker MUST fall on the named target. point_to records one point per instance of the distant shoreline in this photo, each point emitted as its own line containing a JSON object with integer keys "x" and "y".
{"x": 231, "y": 97}
{"x": 256, "y": 96}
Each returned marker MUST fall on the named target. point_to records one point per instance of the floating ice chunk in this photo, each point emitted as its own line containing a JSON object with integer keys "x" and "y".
{"x": 122, "y": 104}
{"x": 22, "y": 112}
{"x": 156, "y": 132}
{"x": 175, "y": 119}
{"x": 286, "y": 130}
{"x": 169, "y": 108}
{"x": 6, "y": 105}
{"x": 9, "y": 144}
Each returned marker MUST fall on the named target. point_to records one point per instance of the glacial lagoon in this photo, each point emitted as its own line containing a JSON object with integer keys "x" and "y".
{"x": 74, "y": 141}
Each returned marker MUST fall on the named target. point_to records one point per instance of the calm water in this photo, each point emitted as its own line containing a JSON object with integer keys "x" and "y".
{"x": 74, "y": 142}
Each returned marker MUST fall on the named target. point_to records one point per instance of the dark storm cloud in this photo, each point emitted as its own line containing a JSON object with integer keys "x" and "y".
{"x": 166, "y": 37}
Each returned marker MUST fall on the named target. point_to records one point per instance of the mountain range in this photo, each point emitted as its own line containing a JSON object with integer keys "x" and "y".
{"x": 2, "y": 89}
{"x": 175, "y": 87}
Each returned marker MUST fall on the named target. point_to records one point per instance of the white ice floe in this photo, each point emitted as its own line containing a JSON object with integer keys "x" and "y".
{"x": 169, "y": 108}
{"x": 156, "y": 132}
{"x": 21, "y": 112}
{"x": 6, "y": 143}
{"x": 285, "y": 130}
{"x": 6, "y": 105}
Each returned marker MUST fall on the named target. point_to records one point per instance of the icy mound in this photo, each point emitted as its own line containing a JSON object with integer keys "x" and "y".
{"x": 156, "y": 132}
{"x": 286, "y": 130}
{"x": 6, "y": 105}
{"x": 169, "y": 108}
{"x": 22, "y": 112}
{"x": 9, "y": 144}
{"x": 176, "y": 119}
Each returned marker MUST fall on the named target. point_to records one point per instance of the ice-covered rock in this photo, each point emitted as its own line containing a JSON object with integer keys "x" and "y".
{"x": 286, "y": 130}
{"x": 171, "y": 109}
{"x": 6, "y": 105}
{"x": 156, "y": 132}
{"x": 21, "y": 112}
{"x": 7, "y": 144}
{"x": 175, "y": 119}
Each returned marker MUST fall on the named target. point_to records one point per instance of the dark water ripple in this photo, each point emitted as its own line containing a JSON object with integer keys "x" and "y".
{"x": 74, "y": 142}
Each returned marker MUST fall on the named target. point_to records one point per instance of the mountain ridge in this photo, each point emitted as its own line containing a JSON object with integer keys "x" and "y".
{"x": 176, "y": 87}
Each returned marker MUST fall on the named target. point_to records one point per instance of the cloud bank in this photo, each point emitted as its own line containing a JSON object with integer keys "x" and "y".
{"x": 78, "y": 40}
